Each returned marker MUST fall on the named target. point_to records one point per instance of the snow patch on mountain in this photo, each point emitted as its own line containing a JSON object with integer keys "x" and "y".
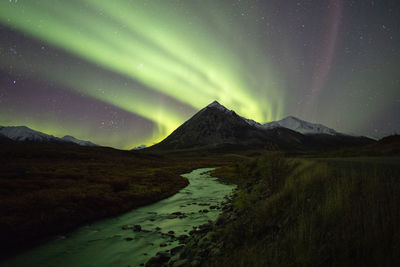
{"x": 139, "y": 147}
{"x": 300, "y": 126}
{"x": 72, "y": 139}
{"x": 24, "y": 134}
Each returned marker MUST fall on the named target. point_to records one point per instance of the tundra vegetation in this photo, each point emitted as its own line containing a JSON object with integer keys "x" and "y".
{"x": 51, "y": 189}
{"x": 319, "y": 211}
{"x": 292, "y": 208}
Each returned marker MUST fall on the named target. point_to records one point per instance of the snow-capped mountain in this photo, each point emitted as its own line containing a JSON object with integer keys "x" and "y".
{"x": 300, "y": 126}
{"x": 215, "y": 104}
{"x": 25, "y": 134}
{"x": 216, "y": 125}
{"x": 72, "y": 139}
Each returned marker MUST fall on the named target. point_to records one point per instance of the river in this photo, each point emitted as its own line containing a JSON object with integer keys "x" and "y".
{"x": 106, "y": 243}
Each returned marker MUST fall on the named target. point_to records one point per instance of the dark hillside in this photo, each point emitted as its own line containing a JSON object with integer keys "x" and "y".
{"x": 305, "y": 212}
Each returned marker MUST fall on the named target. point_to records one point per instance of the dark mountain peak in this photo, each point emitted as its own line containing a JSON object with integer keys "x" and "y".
{"x": 214, "y": 110}
{"x": 216, "y": 126}
{"x": 215, "y": 104}
{"x": 212, "y": 125}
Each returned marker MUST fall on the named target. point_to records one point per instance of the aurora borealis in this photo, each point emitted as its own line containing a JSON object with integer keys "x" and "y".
{"x": 126, "y": 72}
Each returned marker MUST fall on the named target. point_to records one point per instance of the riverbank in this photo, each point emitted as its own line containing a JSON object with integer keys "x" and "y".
{"x": 204, "y": 243}
{"x": 46, "y": 190}
{"x": 306, "y": 212}
{"x": 133, "y": 237}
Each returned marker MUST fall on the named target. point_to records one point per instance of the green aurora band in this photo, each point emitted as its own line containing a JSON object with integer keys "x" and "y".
{"x": 152, "y": 42}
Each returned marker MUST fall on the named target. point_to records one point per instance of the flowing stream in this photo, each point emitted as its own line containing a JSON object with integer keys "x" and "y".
{"x": 106, "y": 243}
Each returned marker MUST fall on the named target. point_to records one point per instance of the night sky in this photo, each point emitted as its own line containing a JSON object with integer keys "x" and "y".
{"x": 123, "y": 73}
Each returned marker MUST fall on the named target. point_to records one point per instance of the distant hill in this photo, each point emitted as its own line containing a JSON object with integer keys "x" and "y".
{"x": 72, "y": 139}
{"x": 5, "y": 140}
{"x": 28, "y": 135}
{"x": 215, "y": 125}
{"x": 389, "y": 140}
{"x": 139, "y": 147}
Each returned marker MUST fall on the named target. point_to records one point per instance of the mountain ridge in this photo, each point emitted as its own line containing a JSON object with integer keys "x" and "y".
{"x": 26, "y": 134}
{"x": 301, "y": 126}
{"x": 72, "y": 139}
{"x": 215, "y": 125}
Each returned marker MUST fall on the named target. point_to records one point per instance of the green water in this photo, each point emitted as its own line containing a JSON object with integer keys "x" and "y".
{"x": 104, "y": 243}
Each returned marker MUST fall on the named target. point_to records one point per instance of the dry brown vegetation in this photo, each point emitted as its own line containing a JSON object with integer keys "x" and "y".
{"x": 314, "y": 212}
{"x": 49, "y": 189}
{"x": 310, "y": 209}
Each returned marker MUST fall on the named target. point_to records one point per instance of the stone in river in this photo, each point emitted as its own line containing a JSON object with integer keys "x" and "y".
{"x": 176, "y": 249}
{"x": 126, "y": 227}
{"x": 159, "y": 260}
{"x": 182, "y": 238}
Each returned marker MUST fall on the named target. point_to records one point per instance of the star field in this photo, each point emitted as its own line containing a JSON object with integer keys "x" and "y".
{"x": 128, "y": 72}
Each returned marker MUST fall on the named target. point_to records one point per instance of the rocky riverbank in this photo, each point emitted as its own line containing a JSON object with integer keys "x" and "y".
{"x": 133, "y": 238}
{"x": 204, "y": 242}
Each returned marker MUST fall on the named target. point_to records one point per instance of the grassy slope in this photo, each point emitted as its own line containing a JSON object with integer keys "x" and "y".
{"x": 48, "y": 189}
{"x": 314, "y": 212}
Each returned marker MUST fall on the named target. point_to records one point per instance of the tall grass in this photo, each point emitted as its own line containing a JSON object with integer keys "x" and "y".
{"x": 301, "y": 212}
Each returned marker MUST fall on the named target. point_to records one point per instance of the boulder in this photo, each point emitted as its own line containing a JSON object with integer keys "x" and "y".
{"x": 221, "y": 220}
{"x": 175, "y": 250}
{"x": 126, "y": 227}
{"x": 181, "y": 263}
{"x": 182, "y": 238}
{"x": 206, "y": 226}
{"x": 159, "y": 260}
